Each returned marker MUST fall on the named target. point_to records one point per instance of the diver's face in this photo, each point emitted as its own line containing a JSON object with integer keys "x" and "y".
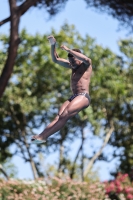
{"x": 74, "y": 61}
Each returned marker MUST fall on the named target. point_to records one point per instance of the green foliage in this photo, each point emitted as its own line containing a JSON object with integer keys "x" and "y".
{"x": 38, "y": 87}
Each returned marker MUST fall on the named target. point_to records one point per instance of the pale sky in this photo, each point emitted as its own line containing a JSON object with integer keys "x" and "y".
{"x": 99, "y": 26}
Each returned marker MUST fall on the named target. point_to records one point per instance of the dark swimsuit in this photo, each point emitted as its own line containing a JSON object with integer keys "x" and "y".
{"x": 83, "y": 93}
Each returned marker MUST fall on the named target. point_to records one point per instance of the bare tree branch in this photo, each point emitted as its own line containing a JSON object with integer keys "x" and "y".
{"x": 32, "y": 163}
{"x": 3, "y": 172}
{"x": 26, "y": 5}
{"x": 100, "y": 151}
{"x": 5, "y": 21}
{"x": 22, "y": 143}
{"x": 22, "y": 9}
{"x": 77, "y": 155}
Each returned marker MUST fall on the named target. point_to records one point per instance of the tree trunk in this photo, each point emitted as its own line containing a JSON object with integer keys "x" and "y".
{"x": 15, "y": 14}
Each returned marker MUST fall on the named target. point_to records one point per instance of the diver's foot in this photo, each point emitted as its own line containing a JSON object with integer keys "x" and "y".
{"x": 37, "y": 140}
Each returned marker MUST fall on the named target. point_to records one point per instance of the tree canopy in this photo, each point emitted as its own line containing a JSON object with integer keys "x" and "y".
{"x": 121, "y": 10}
{"x": 38, "y": 87}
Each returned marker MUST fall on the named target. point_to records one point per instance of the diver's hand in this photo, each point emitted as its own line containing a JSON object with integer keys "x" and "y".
{"x": 51, "y": 40}
{"x": 63, "y": 47}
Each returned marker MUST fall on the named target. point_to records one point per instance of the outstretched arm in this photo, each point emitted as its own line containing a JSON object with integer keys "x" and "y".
{"x": 54, "y": 55}
{"x": 78, "y": 55}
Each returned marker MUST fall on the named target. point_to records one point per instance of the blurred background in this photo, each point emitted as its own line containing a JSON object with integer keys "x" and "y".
{"x": 97, "y": 143}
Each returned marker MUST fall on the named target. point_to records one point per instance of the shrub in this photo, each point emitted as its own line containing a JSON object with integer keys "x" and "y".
{"x": 66, "y": 189}
{"x": 54, "y": 189}
{"x": 120, "y": 188}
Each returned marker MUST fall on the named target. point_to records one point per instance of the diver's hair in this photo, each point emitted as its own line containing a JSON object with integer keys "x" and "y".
{"x": 70, "y": 55}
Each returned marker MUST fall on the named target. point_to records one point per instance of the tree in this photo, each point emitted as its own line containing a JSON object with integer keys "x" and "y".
{"x": 124, "y": 123}
{"x": 24, "y": 99}
{"x": 38, "y": 87}
{"x": 123, "y": 11}
{"x": 23, "y": 107}
{"x": 31, "y": 97}
{"x": 16, "y": 11}
{"x": 113, "y": 90}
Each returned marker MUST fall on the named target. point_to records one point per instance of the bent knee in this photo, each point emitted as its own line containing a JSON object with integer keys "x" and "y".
{"x": 57, "y": 117}
{"x": 64, "y": 115}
